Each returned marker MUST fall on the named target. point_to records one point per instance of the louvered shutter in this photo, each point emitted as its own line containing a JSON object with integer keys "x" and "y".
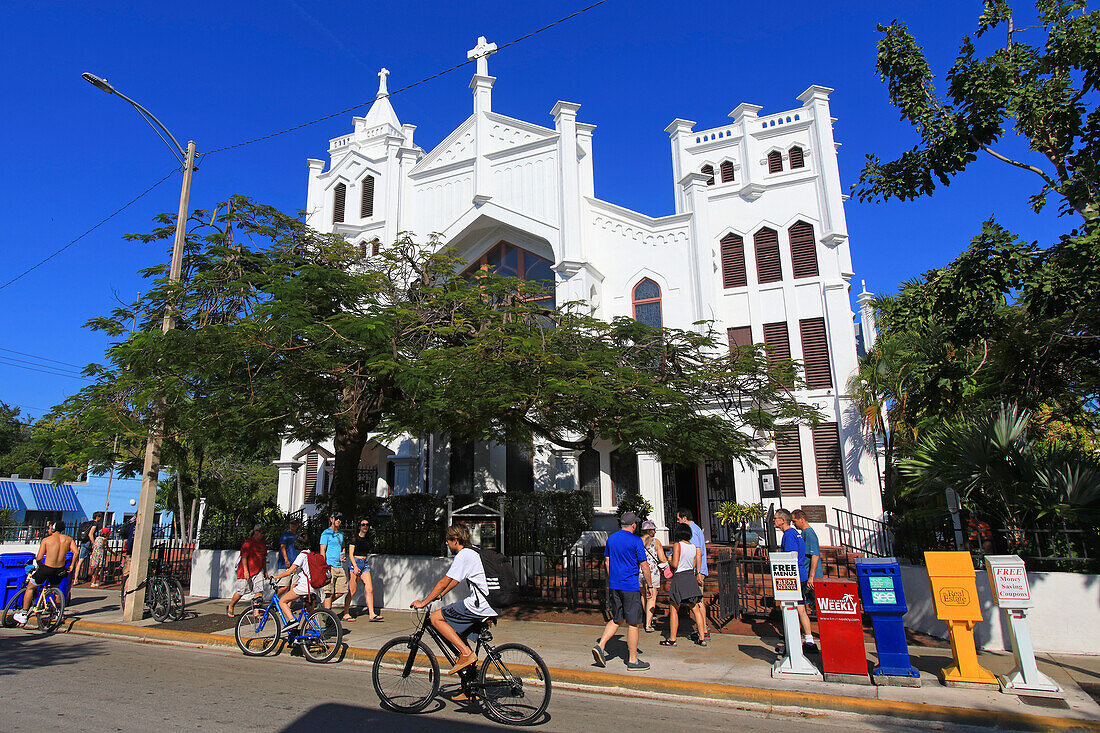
{"x": 775, "y": 162}
{"x": 830, "y": 467}
{"x": 311, "y": 477}
{"x": 708, "y": 170}
{"x": 803, "y": 250}
{"x": 363, "y": 250}
{"x": 794, "y": 158}
{"x": 740, "y": 336}
{"x": 777, "y": 341}
{"x": 788, "y": 460}
{"x": 733, "y": 262}
{"x": 727, "y": 171}
{"x": 375, "y": 248}
{"x": 768, "y": 267}
{"x": 366, "y": 206}
{"x": 815, "y": 353}
{"x": 338, "y": 196}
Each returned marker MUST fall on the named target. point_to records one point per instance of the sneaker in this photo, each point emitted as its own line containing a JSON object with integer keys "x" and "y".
{"x": 20, "y": 618}
{"x": 638, "y": 666}
{"x": 599, "y": 655}
{"x": 808, "y": 647}
{"x": 462, "y": 663}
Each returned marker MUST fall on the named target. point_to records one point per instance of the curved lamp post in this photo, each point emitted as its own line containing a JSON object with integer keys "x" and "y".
{"x": 143, "y": 533}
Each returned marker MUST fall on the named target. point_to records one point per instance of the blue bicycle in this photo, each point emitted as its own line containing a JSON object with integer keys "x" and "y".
{"x": 316, "y": 630}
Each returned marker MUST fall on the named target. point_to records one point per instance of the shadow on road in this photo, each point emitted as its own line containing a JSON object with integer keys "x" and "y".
{"x": 21, "y": 650}
{"x": 331, "y": 715}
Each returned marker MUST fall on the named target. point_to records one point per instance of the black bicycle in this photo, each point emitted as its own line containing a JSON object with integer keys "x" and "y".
{"x": 163, "y": 595}
{"x": 512, "y": 682}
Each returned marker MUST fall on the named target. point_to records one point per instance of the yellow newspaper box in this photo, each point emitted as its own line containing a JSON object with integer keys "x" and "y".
{"x": 955, "y": 597}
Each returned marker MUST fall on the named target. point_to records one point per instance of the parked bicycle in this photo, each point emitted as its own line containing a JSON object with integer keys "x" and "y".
{"x": 48, "y": 608}
{"x": 163, "y": 595}
{"x": 512, "y": 683}
{"x": 315, "y": 629}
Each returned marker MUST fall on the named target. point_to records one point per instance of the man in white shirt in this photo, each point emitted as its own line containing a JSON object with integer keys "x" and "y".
{"x": 455, "y": 620}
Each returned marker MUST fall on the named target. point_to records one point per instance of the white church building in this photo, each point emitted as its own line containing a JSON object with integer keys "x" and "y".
{"x": 758, "y": 244}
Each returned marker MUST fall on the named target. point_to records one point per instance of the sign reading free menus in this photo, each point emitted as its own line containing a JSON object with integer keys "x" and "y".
{"x": 785, "y": 581}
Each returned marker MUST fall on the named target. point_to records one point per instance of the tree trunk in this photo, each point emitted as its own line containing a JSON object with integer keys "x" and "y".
{"x": 348, "y": 445}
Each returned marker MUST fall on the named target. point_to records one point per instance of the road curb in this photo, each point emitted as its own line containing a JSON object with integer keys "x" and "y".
{"x": 605, "y": 682}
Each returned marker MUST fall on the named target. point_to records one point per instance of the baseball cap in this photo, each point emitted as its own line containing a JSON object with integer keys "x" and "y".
{"x": 649, "y": 524}
{"x": 628, "y": 518}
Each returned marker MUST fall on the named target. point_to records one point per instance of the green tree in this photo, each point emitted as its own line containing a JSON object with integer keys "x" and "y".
{"x": 283, "y": 331}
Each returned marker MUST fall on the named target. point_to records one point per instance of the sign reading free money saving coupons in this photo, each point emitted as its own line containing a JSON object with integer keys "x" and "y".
{"x": 785, "y": 581}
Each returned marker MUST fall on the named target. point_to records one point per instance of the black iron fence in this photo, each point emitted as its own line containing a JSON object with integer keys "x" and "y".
{"x": 576, "y": 579}
{"x": 863, "y": 534}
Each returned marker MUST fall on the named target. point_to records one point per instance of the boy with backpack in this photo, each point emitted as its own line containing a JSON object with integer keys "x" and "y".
{"x": 313, "y": 574}
{"x": 455, "y": 621}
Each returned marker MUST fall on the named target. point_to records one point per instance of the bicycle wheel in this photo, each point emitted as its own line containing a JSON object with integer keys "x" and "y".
{"x": 515, "y": 685}
{"x": 258, "y": 630}
{"x": 405, "y": 676}
{"x": 50, "y": 609}
{"x": 157, "y": 598}
{"x": 176, "y": 603}
{"x": 320, "y": 639}
{"x": 13, "y": 605}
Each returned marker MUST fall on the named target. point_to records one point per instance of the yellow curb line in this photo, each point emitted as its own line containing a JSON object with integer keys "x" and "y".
{"x": 715, "y": 691}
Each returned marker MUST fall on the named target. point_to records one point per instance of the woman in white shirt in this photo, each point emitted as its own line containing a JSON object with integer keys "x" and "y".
{"x": 684, "y": 589}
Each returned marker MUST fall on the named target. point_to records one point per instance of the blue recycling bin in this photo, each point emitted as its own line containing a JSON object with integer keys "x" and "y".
{"x": 883, "y": 599}
{"x": 13, "y": 568}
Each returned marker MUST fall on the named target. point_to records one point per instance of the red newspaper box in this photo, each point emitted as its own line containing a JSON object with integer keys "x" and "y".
{"x": 840, "y": 626}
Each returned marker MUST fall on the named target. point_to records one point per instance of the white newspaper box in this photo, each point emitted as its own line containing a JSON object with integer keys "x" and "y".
{"x": 787, "y": 589}
{"x": 1012, "y": 594}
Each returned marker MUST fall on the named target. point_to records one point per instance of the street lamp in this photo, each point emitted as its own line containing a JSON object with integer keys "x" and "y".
{"x": 143, "y": 533}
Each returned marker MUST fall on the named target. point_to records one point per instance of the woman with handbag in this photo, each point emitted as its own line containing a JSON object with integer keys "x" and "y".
{"x": 684, "y": 589}
{"x": 658, "y": 565}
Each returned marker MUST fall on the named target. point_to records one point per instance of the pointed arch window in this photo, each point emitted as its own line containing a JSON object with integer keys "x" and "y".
{"x": 769, "y": 269}
{"x": 366, "y": 204}
{"x": 775, "y": 162}
{"x": 647, "y": 303}
{"x": 803, "y": 249}
{"x": 708, "y": 170}
{"x": 733, "y": 262}
{"x": 512, "y": 261}
{"x": 339, "y": 194}
{"x": 727, "y": 171}
{"x": 795, "y": 158}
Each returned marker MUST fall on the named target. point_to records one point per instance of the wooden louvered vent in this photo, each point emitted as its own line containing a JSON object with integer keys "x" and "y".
{"x": 708, "y": 170}
{"x": 777, "y": 341}
{"x": 338, "y": 195}
{"x": 768, "y": 267}
{"x": 775, "y": 162}
{"x": 366, "y": 206}
{"x": 311, "y": 477}
{"x": 830, "y": 467}
{"x": 788, "y": 459}
{"x": 794, "y": 158}
{"x": 815, "y": 353}
{"x": 803, "y": 250}
{"x": 740, "y": 336}
{"x": 727, "y": 171}
{"x": 733, "y": 262}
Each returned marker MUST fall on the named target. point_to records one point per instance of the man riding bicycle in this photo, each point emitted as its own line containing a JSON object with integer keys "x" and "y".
{"x": 455, "y": 621}
{"x": 51, "y": 564}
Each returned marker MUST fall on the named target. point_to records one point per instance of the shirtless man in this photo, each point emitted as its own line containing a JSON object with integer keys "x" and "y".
{"x": 51, "y": 564}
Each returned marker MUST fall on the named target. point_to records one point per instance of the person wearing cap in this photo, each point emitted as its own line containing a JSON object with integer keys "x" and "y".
{"x": 332, "y": 547}
{"x": 627, "y": 576}
{"x": 656, "y": 562}
{"x": 251, "y": 569}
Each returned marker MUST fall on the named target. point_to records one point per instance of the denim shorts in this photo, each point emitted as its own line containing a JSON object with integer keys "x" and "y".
{"x": 362, "y": 564}
{"x": 460, "y": 618}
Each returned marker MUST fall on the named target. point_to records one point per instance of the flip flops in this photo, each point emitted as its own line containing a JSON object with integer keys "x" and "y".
{"x": 668, "y": 642}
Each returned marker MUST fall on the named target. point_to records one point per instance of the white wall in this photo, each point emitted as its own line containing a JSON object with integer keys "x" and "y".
{"x": 1065, "y": 619}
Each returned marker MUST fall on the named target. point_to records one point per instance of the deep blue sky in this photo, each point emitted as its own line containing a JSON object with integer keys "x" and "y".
{"x": 223, "y": 72}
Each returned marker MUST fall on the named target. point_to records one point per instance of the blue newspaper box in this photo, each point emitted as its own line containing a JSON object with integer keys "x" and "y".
{"x": 13, "y": 568}
{"x": 883, "y": 600}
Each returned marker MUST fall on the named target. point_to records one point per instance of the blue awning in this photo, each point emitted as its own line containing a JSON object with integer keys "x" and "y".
{"x": 9, "y": 497}
{"x": 53, "y": 498}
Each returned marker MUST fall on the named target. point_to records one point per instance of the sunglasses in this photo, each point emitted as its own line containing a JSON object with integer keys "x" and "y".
{"x": 364, "y": 524}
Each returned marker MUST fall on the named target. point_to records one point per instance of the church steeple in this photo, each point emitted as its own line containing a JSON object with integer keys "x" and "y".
{"x": 482, "y": 83}
{"x": 381, "y": 112}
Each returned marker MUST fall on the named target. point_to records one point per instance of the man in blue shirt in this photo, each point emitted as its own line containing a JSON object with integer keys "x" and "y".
{"x": 792, "y": 542}
{"x": 627, "y": 570}
{"x": 332, "y": 547}
{"x": 288, "y": 546}
{"x": 684, "y": 516}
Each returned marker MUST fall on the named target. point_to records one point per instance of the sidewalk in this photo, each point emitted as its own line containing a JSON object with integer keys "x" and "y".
{"x": 732, "y": 668}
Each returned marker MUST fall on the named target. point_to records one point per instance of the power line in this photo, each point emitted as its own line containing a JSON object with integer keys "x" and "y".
{"x": 5, "y": 362}
{"x": 98, "y": 224}
{"x": 12, "y": 359}
{"x": 406, "y": 87}
{"x": 40, "y": 358}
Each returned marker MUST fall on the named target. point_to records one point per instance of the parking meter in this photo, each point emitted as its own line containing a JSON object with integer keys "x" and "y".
{"x": 1012, "y": 594}
{"x": 955, "y": 598}
{"x": 788, "y": 593}
{"x": 883, "y": 600}
{"x": 840, "y": 626}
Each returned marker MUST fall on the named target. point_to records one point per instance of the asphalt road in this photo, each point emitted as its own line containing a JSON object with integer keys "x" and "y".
{"x": 83, "y": 683}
